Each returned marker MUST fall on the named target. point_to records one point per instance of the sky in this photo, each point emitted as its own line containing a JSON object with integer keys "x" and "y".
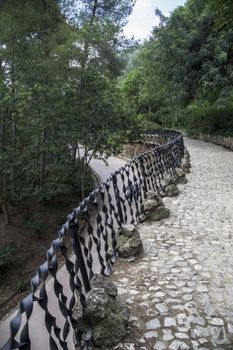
{"x": 143, "y": 17}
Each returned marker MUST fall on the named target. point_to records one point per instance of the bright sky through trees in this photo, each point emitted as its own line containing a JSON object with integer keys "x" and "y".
{"x": 143, "y": 17}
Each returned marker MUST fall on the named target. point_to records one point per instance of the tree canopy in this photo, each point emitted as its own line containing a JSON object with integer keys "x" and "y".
{"x": 186, "y": 68}
{"x": 58, "y": 66}
{"x": 64, "y": 85}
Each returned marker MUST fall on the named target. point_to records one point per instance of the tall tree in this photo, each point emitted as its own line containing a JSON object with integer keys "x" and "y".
{"x": 59, "y": 60}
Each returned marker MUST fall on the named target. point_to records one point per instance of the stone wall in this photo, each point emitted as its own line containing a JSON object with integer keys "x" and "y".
{"x": 131, "y": 150}
{"x": 225, "y": 141}
{"x": 136, "y": 148}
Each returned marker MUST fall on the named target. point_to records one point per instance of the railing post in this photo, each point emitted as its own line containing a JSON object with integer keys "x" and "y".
{"x": 143, "y": 175}
{"x": 118, "y": 199}
{"x": 79, "y": 256}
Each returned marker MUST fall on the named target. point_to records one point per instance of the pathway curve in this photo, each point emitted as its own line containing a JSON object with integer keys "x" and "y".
{"x": 38, "y": 333}
{"x": 104, "y": 170}
{"x": 180, "y": 292}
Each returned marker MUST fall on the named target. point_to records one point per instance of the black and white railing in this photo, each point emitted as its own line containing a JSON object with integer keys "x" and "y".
{"x": 86, "y": 244}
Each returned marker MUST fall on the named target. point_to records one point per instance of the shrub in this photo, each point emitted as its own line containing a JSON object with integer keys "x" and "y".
{"x": 36, "y": 226}
{"x": 22, "y": 286}
{"x": 7, "y": 256}
{"x": 209, "y": 119}
{"x": 163, "y": 116}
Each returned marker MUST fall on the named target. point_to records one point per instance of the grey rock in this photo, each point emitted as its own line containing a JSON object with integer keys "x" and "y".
{"x": 162, "y": 308}
{"x": 197, "y": 320}
{"x": 181, "y": 335}
{"x": 186, "y": 153}
{"x": 179, "y": 345}
{"x": 181, "y": 177}
{"x": 128, "y": 241}
{"x": 153, "y": 324}
{"x": 129, "y": 346}
{"x": 203, "y": 341}
{"x": 195, "y": 345}
{"x": 218, "y": 335}
{"x": 182, "y": 319}
{"x": 159, "y": 294}
{"x": 187, "y": 297}
{"x": 203, "y": 289}
{"x": 158, "y": 213}
{"x": 200, "y": 332}
{"x": 169, "y": 322}
{"x": 106, "y": 312}
{"x": 154, "y": 209}
{"x": 183, "y": 329}
{"x": 153, "y": 197}
{"x": 170, "y": 187}
{"x": 230, "y": 328}
{"x": 167, "y": 335}
{"x": 151, "y": 334}
{"x": 185, "y": 165}
{"x": 216, "y": 321}
{"x": 96, "y": 305}
{"x": 172, "y": 190}
{"x": 159, "y": 346}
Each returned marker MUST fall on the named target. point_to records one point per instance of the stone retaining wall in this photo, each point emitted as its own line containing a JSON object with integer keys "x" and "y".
{"x": 225, "y": 141}
{"x": 134, "y": 149}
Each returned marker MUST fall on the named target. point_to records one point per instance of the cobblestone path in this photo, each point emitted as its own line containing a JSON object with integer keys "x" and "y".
{"x": 180, "y": 292}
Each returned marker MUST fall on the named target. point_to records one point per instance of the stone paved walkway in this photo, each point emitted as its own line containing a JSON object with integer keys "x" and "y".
{"x": 180, "y": 292}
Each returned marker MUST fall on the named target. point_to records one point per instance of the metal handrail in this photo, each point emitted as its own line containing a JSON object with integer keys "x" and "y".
{"x": 117, "y": 201}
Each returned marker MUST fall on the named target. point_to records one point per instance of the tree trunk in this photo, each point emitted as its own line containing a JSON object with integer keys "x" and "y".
{"x": 13, "y": 125}
{"x": 74, "y": 150}
{"x": 5, "y": 205}
{"x": 83, "y": 167}
{"x": 177, "y": 107}
{"x": 173, "y": 108}
{"x": 1, "y": 151}
{"x": 86, "y": 43}
{"x": 43, "y": 161}
{"x": 6, "y": 211}
{"x": 83, "y": 163}
{"x": 176, "y": 114}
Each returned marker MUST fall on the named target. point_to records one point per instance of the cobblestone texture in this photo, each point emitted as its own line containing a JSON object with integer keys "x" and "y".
{"x": 180, "y": 292}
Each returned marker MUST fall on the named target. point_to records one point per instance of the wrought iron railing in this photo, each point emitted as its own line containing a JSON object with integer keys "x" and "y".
{"x": 46, "y": 313}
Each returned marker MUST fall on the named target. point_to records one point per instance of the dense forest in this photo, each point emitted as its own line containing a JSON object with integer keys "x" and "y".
{"x": 60, "y": 105}
{"x": 58, "y": 66}
{"x": 183, "y": 75}
{"x": 72, "y": 87}
{"x": 68, "y": 77}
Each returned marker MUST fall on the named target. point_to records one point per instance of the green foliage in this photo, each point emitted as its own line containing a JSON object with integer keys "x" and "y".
{"x": 188, "y": 58}
{"x": 58, "y": 68}
{"x": 145, "y": 123}
{"x": 163, "y": 116}
{"x": 22, "y": 286}
{"x": 223, "y": 10}
{"x": 36, "y": 226}
{"x": 7, "y": 257}
{"x": 209, "y": 119}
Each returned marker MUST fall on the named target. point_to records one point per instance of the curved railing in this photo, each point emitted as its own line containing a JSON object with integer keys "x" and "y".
{"x": 46, "y": 313}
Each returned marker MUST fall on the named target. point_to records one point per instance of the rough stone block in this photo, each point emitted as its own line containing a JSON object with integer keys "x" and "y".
{"x": 106, "y": 312}
{"x": 154, "y": 209}
{"x": 181, "y": 176}
{"x": 128, "y": 241}
{"x": 185, "y": 165}
{"x": 170, "y": 187}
